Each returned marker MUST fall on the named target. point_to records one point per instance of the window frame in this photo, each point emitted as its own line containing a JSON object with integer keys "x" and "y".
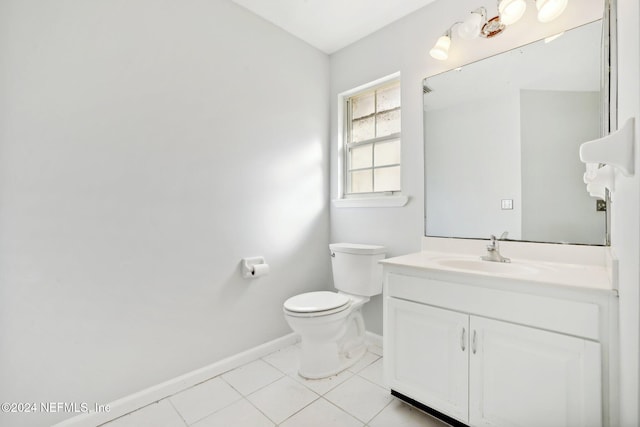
{"x": 365, "y": 199}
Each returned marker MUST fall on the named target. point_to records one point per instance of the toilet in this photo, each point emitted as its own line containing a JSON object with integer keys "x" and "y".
{"x": 330, "y": 324}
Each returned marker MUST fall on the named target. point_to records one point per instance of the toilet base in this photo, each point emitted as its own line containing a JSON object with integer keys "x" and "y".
{"x": 322, "y": 359}
{"x": 325, "y": 363}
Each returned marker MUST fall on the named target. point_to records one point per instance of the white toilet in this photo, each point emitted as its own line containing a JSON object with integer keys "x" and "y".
{"x": 330, "y": 324}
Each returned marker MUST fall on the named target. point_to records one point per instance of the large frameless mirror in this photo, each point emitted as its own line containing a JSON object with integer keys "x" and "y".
{"x": 501, "y": 143}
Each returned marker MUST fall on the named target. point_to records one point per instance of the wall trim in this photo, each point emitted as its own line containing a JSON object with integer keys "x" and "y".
{"x": 158, "y": 392}
{"x": 372, "y": 202}
{"x": 373, "y": 339}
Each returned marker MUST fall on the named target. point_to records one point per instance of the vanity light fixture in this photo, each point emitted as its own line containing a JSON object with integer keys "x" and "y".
{"x": 548, "y": 10}
{"x": 509, "y": 12}
{"x": 441, "y": 49}
{"x": 470, "y": 28}
{"x": 493, "y": 27}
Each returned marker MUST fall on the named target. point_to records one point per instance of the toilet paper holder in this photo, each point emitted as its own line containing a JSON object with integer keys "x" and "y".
{"x": 254, "y": 267}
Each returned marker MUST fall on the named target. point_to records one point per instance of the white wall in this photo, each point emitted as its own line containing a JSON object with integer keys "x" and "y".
{"x": 625, "y": 214}
{"x": 403, "y": 46}
{"x": 145, "y": 147}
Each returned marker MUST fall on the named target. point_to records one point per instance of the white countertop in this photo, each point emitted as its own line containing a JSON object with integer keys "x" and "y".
{"x": 586, "y": 276}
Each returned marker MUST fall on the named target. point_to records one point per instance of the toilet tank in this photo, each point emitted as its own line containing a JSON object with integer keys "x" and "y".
{"x": 356, "y": 269}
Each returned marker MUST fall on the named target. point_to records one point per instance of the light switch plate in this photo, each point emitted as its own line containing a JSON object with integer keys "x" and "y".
{"x": 507, "y": 204}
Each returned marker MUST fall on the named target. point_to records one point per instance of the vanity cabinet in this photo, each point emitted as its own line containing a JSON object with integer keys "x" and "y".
{"x": 522, "y": 376}
{"x": 493, "y": 357}
{"x": 436, "y": 378}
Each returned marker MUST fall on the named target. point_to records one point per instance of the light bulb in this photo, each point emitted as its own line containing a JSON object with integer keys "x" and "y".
{"x": 441, "y": 49}
{"x": 470, "y": 28}
{"x": 511, "y": 11}
{"x": 548, "y": 10}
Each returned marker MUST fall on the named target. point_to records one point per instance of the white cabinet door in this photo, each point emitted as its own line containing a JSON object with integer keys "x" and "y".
{"x": 426, "y": 355}
{"x": 521, "y": 376}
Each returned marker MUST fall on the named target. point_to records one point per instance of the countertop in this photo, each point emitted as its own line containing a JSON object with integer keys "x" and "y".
{"x": 594, "y": 277}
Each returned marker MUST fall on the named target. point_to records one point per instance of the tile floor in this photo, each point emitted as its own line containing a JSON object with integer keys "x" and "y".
{"x": 268, "y": 392}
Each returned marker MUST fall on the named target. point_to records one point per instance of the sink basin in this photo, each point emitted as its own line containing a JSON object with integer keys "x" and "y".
{"x": 478, "y": 265}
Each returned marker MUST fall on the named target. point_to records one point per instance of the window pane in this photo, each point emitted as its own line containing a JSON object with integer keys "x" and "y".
{"x": 361, "y": 182}
{"x": 373, "y": 115}
{"x": 363, "y": 105}
{"x": 361, "y": 157}
{"x": 388, "y": 123}
{"x": 387, "y": 179}
{"x": 387, "y": 153}
{"x": 388, "y": 98}
{"x": 363, "y": 129}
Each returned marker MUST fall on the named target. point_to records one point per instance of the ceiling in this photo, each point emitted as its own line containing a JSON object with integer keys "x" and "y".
{"x": 330, "y": 25}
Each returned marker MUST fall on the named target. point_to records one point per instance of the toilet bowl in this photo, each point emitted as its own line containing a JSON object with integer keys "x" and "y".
{"x": 330, "y": 324}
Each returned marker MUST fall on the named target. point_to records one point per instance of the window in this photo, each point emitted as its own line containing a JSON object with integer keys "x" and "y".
{"x": 372, "y": 141}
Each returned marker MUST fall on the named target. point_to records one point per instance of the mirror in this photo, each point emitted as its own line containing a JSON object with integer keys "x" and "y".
{"x": 501, "y": 143}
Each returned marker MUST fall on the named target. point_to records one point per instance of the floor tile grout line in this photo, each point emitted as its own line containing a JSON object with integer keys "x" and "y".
{"x": 211, "y": 413}
{"x": 367, "y": 365}
{"x": 370, "y": 382}
{"x": 177, "y": 412}
{"x": 374, "y": 383}
{"x": 168, "y": 398}
{"x": 380, "y": 411}
{"x": 299, "y": 410}
{"x": 254, "y": 391}
{"x": 271, "y": 364}
{"x": 317, "y": 396}
{"x": 260, "y": 410}
{"x": 292, "y": 376}
{"x": 140, "y": 409}
{"x": 345, "y": 411}
{"x": 303, "y": 381}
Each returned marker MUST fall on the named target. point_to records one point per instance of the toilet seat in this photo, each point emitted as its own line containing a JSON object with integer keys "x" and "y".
{"x": 312, "y": 304}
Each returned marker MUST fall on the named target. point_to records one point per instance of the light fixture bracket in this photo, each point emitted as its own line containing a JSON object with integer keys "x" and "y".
{"x": 492, "y": 28}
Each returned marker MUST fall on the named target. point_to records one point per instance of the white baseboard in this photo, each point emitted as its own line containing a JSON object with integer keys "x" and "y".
{"x": 373, "y": 339}
{"x": 153, "y": 394}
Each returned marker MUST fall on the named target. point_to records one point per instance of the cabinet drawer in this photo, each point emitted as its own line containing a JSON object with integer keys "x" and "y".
{"x": 569, "y": 317}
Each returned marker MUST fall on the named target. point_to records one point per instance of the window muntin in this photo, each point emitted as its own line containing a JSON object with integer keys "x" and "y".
{"x": 372, "y": 140}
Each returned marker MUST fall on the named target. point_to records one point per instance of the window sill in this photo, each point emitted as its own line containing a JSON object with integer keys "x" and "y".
{"x": 372, "y": 202}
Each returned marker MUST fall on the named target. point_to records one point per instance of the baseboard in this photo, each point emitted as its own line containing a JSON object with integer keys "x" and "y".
{"x": 373, "y": 339}
{"x": 153, "y": 394}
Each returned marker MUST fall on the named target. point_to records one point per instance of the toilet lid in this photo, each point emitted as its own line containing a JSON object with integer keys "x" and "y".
{"x": 312, "y": 302}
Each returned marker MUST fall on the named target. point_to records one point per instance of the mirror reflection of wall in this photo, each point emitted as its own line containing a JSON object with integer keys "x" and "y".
{"x": 555, "y": 205}
{"x": 504, "y": 132}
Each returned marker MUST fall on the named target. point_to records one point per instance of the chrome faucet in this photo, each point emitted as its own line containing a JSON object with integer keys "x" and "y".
{"x": 493, "y": 249}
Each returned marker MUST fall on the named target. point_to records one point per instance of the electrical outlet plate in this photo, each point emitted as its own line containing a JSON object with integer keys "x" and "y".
{"x": 506, "y": 204}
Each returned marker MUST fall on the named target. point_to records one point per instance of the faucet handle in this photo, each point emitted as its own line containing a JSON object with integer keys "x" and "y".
{"x": 503, "y": 235}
